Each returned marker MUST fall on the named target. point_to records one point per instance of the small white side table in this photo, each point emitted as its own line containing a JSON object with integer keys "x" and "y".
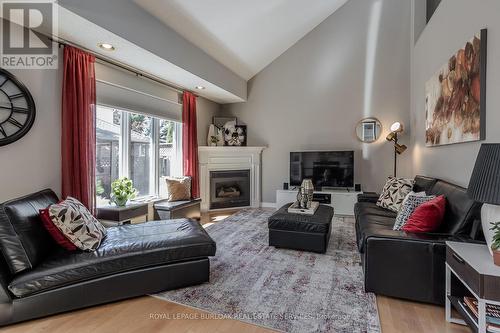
{"x": 470, "y": 267}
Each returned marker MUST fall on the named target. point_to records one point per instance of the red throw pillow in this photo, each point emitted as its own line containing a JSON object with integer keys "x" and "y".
{"x": 54, "y": 232}
{"x": 427, "y": 217}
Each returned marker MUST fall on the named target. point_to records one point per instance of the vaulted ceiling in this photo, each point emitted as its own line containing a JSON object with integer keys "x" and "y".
{"x": 243, "y": 35}
{"x": 217, "y": 44}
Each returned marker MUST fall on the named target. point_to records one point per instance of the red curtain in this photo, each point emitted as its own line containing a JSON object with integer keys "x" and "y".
{"x": 190, "y": 142}
{"x": 78, "y": 127}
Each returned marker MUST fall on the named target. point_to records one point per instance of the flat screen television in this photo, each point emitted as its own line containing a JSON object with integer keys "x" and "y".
{"x": 327, "y": 169}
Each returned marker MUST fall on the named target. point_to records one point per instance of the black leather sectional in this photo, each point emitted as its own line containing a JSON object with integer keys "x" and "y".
{"x": 409, "y": 265}
{"x": 39, "y": 278}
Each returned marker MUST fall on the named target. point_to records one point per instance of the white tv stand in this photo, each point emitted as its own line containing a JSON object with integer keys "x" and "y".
{"x": 342, "y": 201}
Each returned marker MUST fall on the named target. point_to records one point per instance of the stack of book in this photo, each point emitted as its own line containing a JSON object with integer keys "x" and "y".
{"x": 295, "y": 208}
{"x": 492, "y": 313}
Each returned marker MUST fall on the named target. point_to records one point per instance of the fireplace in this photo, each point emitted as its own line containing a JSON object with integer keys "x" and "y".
{"x": 243, "y": 162}
{"x": 229, "y": 189}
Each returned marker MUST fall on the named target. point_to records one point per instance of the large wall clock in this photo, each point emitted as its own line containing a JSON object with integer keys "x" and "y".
{"x": 17, "y": 109}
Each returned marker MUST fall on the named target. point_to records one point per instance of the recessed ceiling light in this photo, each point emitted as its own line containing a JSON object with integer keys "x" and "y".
{"x": 200, "y": 87}
{"x": 106, "y": 46}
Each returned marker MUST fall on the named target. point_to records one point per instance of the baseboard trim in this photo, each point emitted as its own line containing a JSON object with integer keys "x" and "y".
{"x": 268, "y": 204}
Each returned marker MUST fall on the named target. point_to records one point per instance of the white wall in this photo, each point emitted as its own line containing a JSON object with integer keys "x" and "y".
{"x": 419, "y": 17}
{"x": 34, "y": 162}
{"x": 454, "y": 22}
{"x": 353, "y": 65}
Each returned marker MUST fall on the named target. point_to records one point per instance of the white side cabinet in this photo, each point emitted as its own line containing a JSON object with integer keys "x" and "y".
{"x": 342, "y": 200}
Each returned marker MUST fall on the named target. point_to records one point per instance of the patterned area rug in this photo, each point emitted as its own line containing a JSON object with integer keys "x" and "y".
{"x": 291, "y": 291}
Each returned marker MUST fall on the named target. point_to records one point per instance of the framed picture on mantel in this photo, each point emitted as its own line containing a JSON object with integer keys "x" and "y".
{"x": 455, "y": 97}
{"x": 219, "y": 122}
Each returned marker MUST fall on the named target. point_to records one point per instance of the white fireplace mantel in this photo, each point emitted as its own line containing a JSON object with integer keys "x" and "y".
{"x": 230, "y": 158}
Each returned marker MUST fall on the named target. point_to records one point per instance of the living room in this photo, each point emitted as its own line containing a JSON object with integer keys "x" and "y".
{"x": 222, "y": 166}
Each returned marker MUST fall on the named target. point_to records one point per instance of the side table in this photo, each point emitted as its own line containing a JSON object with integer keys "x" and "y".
{"x": 111, "y": 215}
{"x": 165, "y": 210}
{"x": 470, "y": 271}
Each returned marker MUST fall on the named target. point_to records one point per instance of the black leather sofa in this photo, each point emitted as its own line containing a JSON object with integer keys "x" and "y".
{"x": 39, "y": 278}
{"x": 410, "y": 265}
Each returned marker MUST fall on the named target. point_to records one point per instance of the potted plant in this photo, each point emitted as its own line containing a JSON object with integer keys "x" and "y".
{"x": 122, "y": 190}
{"x": 495, "y": 244}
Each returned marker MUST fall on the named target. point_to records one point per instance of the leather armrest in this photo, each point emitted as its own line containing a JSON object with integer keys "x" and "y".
{"x": 406, "y": 266}
{"x": 368, "y": 197}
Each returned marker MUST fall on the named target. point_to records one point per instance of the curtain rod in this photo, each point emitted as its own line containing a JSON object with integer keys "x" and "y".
{"x": 107, "y": 60}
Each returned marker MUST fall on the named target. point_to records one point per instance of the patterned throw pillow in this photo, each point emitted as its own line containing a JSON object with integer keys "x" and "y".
{"x": 56, "y": 234}
{"x": 77, "y": 224}
{"x": 411, "y": 202}
{"x": 418, "y": 194}
{"x": 394, "y": 192}
{"x": 179, "y": 188}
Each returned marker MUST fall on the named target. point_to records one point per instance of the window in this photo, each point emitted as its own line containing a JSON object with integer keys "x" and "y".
{"x": 143, "y": 148}
{"x": 141, "y": 153}
{"x": 108, "y": 136}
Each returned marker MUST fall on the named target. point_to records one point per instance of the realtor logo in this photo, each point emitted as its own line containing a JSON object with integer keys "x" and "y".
{"x": 25, "y": 27}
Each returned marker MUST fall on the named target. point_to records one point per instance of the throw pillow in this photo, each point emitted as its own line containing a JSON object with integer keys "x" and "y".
{"x": 427, "y": 217}
{"x": 56, "y": 234}
{"x": 178, "y": 188}
{"x": 394, "y": 192}
{"x": 77, "y": 224}
{"x": 418, "y": 194}
{"x": 410, "y": 203}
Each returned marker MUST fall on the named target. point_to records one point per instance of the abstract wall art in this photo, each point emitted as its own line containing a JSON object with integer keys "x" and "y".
{"x": 456, "y": 96}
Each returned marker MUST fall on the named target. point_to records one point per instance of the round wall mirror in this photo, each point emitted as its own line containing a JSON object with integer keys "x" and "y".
{"x": 369, "y": 130}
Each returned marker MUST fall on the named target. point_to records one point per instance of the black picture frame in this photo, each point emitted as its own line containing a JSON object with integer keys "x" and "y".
{"x": 244, "y": 128}
{"x": 244, "y": 142}
{"x": 219, "y": 122}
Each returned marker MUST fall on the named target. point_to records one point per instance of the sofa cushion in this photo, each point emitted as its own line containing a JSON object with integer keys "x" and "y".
{"x": 24, "y": 242}
{"x": 423, "y": 184}
{"x": 461, "y": 211}
{"x": 394, "y": 192}
{"x": 125, "y": 248}
{"x": 370, "y": 208}
{"x": 77, "y": 224}
{"x": 368, "y": 225}
{"x": 368, "y": 217}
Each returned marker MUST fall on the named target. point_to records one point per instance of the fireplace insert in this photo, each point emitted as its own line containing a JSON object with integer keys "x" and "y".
{"x": 229, "y": 189}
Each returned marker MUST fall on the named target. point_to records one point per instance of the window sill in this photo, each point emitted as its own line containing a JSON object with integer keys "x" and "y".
{"x": 148, "y": 199}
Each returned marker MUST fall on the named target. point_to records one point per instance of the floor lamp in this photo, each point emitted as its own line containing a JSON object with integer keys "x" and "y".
{"x": 396, "y": 129}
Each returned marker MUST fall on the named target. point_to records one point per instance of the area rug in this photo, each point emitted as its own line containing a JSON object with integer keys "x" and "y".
{"x": 291, "y": 291}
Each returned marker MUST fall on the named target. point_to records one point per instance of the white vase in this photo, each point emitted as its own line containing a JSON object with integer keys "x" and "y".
{"x": 211, "y": 133}
{"x": 489, "y": 214}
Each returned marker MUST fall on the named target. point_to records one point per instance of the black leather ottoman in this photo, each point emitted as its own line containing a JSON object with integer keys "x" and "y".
{"x": 301, "y": 232}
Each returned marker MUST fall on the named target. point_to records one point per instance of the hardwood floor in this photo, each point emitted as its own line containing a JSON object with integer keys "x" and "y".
{"x": 143, "y": 314}
{"x": 148, "y": 314}
{"x": 398, "y": 316}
